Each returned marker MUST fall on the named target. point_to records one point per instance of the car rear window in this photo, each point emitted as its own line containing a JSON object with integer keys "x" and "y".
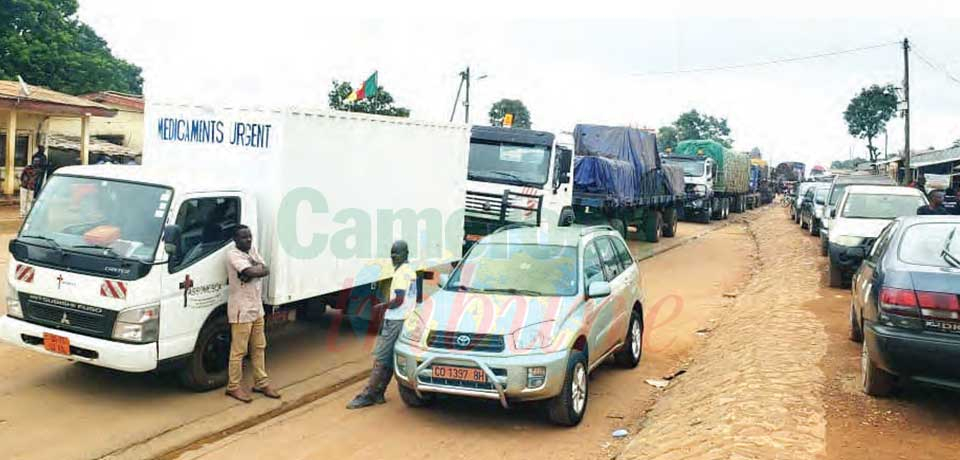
{"x": 923, "y": 244}
{"x": 877, "y": 206}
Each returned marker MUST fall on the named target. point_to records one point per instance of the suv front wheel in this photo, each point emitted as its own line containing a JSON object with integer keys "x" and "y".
{"x": 568, "y": 407}
{"x": 629, "y": 355}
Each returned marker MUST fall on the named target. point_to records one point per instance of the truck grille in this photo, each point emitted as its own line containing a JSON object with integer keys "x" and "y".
{"x": 68, "y": 316}
{"x": 506, "y": 207}
{"x": 465, "y": 341}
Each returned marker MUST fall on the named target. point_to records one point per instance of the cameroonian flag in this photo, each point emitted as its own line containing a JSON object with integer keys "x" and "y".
{"x": 367, "y": 89}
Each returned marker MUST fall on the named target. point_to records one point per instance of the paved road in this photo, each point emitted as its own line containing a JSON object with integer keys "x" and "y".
{"x": 52, "y": 408}
{"x": 686, "y": 287}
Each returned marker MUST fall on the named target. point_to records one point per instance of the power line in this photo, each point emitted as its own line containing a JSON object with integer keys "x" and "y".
{"x": 934, "y": 66}
{"x": 766, "y": 63}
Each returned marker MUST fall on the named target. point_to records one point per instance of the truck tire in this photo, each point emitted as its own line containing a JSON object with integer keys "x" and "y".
{"x": 410, "y": 398}
{"x": 726, "y": 209}
{"x": 206, "y": 367}
{"x": 619, "y": 226}
{"x": 629, "y": 355}
{"x": 670, "y": 219}
{"x": 874, "y": 381}
{"x": 735, "y": 204}
{"x": 835, "y": 275}
{"x": 568, "y": 407}
{"x": 823, "y": 245}
{"x": 705, "y": 215}
{"x": 717, "y": 206}
{"x": 653, "y": 226}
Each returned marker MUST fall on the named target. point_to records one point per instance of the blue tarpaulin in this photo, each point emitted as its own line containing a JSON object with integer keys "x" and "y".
{"x": 616, "y": 161}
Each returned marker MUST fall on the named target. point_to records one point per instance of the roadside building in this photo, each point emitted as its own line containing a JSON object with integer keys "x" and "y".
{"x": 25, "y": 114}
{"x": 124, "y": 129}
{"x": 944, "y": 161}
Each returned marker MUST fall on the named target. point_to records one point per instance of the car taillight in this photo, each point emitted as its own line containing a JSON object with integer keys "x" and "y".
{"x": 939, "y": 305}
{"x": 901, "y": 302}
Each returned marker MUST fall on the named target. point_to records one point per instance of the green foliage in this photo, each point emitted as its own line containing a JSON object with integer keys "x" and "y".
{"x": 43, "y": 42}
{"x": 693, "y": 125}
{"x": 667, "y": 138}
{"x": 848, "y": 164}
{"x": 380, "y": 104}
{"x": 521, "y": 116}
{"x": 868, "y": 114}
{"x": 956, "y": 143}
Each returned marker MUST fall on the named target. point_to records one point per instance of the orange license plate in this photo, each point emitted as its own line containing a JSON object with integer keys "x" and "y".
{"x": 468, "y": 374}
{"x": 56, "y": 344}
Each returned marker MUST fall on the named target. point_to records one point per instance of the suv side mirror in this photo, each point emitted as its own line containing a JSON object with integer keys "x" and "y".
{"x": 171, "y": 238}
{"x": 598, "y": 289}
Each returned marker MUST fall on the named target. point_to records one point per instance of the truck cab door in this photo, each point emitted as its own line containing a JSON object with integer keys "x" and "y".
{"x": 195, "y": 279}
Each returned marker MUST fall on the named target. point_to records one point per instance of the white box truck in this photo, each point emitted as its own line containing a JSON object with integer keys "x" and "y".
{"x": 123, "y": 266}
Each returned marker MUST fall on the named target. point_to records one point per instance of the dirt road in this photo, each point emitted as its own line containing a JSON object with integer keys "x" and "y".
{"x": 687, "y": 286}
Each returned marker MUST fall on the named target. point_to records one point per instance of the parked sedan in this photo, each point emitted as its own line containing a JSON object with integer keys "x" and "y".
{"x": 811, "y": 212}
{"x": 798, "y": 199}
{"x": 906, "y": 305}
{"x": 526, "y": 316}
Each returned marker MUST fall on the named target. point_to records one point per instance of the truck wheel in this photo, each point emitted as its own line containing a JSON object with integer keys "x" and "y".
{"x": 568, "y": 407}
{"x": 311, "y": 310}
{"x": 705, "y": 215}
{"x": 206, "y": 368}
{"x": 619, "y": 226}
{"x": 836, "y": 276}
{"x": 411, "y": 399}
{"x": 629, "y": 355}
{"x": 717, "y": 207}
{"x": 875, "y": 381}
{"x": 803, "y": 222}
{"x": 823, "y": 246}
{"x": 653, "y": 226}
{"x": 670, "y": 220}
{"x": 735, "y": 203}
{"x": 726, "y": 208}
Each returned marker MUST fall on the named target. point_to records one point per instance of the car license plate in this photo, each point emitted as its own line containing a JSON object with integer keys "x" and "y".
{"x": 468, "y": 374}
{"x": 56, "y": 344}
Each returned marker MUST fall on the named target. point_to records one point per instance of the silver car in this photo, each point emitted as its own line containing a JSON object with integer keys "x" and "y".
{"x": 526, "y": 316}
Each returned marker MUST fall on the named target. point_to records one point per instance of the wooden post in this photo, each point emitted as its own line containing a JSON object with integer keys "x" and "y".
{"x": 84, "y": 139}
{"x": 9, "y": 178}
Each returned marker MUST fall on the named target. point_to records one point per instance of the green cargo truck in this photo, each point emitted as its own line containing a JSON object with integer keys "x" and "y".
{"x": 717, "y": 179}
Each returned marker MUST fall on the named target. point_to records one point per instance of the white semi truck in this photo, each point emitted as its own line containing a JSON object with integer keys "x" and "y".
{"x": 123, "y": 266}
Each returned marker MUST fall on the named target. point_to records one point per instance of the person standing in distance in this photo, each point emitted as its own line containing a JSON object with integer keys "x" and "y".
{"x": 935, "y": 208}
{"x": 245, "y": 273}
{"x": 403, "y": 296}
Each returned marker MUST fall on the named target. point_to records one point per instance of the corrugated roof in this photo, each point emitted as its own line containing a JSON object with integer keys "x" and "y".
{"x": 920, "y": 160}
{"x": 41, "y": 99}
{"x": 117, "y": 99}
{"x": 96, "y": 146}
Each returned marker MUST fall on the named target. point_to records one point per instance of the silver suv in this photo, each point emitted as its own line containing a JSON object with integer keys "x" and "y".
{"x": 526, "y": 316}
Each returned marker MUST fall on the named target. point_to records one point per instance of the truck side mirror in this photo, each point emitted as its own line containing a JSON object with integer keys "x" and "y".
{"x": 833, "y": 213}
{"x": 171, "y": 239}
{"x": 564, "y": 165}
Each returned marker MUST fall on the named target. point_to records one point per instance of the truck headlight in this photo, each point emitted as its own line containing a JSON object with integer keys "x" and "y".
{"x": 535, "y": 336}
{"x": 139, "y": 324}
{"x": 13, "y": 303}
{"x": 413, "y": 328}
{"x": 844, "y": 240}
{"x": 700, "y": 189}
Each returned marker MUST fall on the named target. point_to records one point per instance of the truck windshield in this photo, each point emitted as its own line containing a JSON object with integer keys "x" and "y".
{"x": 690, "y": 168}
{"x": 91, "y": 215}
{"x": 873, "y": 206}
{"x": 509, "y": 163}
{"x": 517, "y": 269}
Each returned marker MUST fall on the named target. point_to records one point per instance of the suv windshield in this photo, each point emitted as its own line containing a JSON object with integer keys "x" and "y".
{"x": 509, "y": 163}
{"x": 924, "y": 244}
{"x": 873, "y": 206}
{"x": 87, "y": 214}
{"x": 522, "y": 269}
{"x": 691, "y": 168}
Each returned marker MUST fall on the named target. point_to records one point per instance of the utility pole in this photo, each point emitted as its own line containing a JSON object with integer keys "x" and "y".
{"x": 907, "y": 172}
{"x": 456, "y": 100}
{"x": 466, "y": 101}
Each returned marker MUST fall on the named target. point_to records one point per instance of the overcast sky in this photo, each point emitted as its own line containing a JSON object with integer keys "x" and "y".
{"x": 570, "y": 62}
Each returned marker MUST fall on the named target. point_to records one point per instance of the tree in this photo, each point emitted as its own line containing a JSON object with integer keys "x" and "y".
{"x": 868, "y": 114}
{"x": 694, "y": 125}
{"x": 521, "y": 116}
{"x": 381, "y": 103}
{"x": 667, "y": 138}
{"x": 44, "y": 42}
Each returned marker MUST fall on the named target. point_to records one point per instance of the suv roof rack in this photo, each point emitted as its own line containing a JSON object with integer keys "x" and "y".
{"x": 595, "y": 228}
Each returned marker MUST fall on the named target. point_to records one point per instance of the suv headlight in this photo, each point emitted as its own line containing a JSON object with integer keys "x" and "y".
{"x": 534, "y": 336}
{"x": 13, "y": 302}
{"x": 139, "y": 324}
{"x": 413, "y": 328}
{"x": 844, "y": 240}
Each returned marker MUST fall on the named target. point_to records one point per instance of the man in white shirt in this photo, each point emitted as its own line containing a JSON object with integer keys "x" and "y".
{"x": 403, "y": 296}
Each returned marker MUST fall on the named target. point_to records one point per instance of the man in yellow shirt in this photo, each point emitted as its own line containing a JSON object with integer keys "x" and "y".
{"x": 403, "y": 296}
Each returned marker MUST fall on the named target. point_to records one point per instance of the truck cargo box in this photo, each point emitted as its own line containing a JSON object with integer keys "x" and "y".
{"x": 733, "y": 169}
{"x": 617, "y": 161}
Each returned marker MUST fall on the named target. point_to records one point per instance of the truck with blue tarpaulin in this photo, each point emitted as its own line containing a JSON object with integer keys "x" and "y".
{"x": 619, "y": 180}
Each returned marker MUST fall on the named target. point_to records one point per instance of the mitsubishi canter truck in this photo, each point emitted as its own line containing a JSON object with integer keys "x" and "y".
{"x": 123, "y": 266}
